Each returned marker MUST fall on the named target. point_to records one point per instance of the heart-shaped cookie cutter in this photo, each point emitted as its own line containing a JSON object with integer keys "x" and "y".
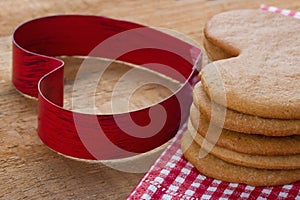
{"x": 37, "y": 73}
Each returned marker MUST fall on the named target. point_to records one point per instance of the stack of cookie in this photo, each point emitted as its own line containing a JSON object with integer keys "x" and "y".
{"x": 245, "y": 119}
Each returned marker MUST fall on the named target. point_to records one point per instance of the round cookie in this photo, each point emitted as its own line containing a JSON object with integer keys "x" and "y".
{"x": 246, "y": 143}
{"x": 247, "y": 160}
{"x": 240, "y": 122}
{"x": 213, "y": 167}
{"x": 264, "y": 79}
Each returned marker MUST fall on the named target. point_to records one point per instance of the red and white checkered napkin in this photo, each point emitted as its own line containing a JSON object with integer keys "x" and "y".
{"x": 173, "y": 177}
{"x": 281, "y": 11}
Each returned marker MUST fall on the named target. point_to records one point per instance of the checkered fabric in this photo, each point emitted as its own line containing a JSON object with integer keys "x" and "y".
{"x": 173, "y": 177}
{"x": 281, "y": 11}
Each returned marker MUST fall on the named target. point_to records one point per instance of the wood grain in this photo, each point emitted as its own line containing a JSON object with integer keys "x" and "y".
{"x": 28, "y": 170}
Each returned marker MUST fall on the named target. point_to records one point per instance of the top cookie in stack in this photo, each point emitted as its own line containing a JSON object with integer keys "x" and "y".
{"x": 264, "y": 77}
{"x": 251, "y": 95}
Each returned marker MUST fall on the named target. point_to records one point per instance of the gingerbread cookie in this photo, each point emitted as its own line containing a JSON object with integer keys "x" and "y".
{"x": 264, "y": 77}
{"x": 243, "y": 159}
{"x": 213, "y": 167}
{"x": 240, "y": 122}
{"x": 215, "y": 53}
{"x": 246, "y": 143}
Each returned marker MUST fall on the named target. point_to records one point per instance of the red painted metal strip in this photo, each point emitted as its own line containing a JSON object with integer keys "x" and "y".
{"x": 38, "y": 74}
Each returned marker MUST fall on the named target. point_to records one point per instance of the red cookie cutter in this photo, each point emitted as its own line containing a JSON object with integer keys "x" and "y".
{"x": 37, "y": 73}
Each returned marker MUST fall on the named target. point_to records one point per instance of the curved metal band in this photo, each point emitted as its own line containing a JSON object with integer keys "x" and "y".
{"x": 38, "y": 74}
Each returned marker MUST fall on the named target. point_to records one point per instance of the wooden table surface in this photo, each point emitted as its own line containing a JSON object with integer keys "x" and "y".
{"x": 28, "y": 169}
